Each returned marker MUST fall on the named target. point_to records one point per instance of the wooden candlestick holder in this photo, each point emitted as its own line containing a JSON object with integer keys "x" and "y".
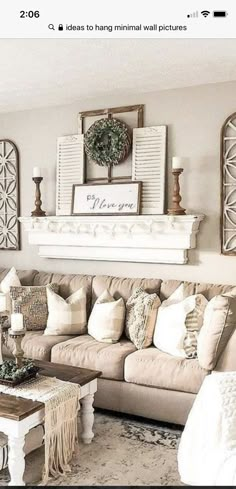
{"x": 18, "y": 352}
{"x": 38, "y": 212}
{"x": 176, "y": 209}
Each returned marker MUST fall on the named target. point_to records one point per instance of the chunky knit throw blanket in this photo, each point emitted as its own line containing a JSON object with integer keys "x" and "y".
{"x": 207, "y": 449}
{"x": 61, "y": 401}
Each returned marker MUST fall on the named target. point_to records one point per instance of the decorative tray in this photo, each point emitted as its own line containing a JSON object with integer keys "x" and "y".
{"x": 24, "y": 374}
{"x": 13, "y": 383}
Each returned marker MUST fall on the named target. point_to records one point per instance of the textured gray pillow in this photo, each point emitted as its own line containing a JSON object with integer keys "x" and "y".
{"x": 31, "y": 301}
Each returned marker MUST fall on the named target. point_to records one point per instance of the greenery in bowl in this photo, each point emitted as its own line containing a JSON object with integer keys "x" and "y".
{"x": 10, "y": 371}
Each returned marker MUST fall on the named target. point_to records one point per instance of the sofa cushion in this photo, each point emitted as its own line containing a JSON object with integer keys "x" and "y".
{"x": 85, "y": 351}
{"x": 26, "y": 276}
{"x": 36, "y": 345}
{"x": 68, "y": 284}
{"x": 154, "y": 368}
{"x": 168, "y": 287}
{"x": 211, "y": 290}
{"x": 123, "y": 287}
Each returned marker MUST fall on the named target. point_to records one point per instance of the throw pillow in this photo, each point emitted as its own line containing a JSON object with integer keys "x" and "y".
{"x": 31, "y": 301}
{"x": 179, "y": 321}
{"x": 11, "y": 279}
{"x": 66, "y": 316}
{"x": 141, "y": 311}
{"x": 218, "y": 325}
{"x": 106, "y": 321}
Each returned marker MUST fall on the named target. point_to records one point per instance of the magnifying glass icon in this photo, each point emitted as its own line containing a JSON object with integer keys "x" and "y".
{"x": 51, "y": 27}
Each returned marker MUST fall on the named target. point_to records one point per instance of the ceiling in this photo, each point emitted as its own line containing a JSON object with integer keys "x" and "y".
{"x": 43, "y": 72}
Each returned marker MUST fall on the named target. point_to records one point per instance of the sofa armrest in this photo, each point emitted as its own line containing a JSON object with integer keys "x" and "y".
{"x": 227, "y": 360}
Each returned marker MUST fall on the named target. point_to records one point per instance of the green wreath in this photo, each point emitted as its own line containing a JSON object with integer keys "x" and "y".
{"x": 108, "y": 142}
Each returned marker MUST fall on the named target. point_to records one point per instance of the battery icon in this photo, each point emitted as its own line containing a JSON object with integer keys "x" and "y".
{"x": 219, "y": 13}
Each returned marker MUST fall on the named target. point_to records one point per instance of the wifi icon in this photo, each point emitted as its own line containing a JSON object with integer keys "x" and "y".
{"x": 205, "y": 13}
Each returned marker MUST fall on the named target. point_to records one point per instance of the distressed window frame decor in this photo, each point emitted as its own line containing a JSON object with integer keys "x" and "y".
{"x": 228, "y": 186}
{"x": 9, "y": 196}
{"x": 108, "y": 188}
{"x": 149, "y": 157}
{"x": 70, "y": 169}
{"x": 109, "y": 113}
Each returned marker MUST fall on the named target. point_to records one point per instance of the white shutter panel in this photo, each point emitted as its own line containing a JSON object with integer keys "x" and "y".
{"x": 70, "y": 170}
{"x": 149, "y": 166}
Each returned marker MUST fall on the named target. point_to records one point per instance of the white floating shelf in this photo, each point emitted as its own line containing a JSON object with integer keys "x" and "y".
{"x": 144, "y": 238}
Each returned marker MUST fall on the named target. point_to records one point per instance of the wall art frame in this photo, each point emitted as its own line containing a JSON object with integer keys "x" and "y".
{"x": 228, "y": 186}
{"x": 106, "y": 199}
{"x": 110, "y": 113}
{"x": 9, "y": 196}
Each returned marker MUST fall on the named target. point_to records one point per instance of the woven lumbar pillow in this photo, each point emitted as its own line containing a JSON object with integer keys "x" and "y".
{"x": 218, "y": 325}
{"x": 141, "y": 311}
{"x": 106, "y": 321}
{"x": 66, "y": 316}
{"x": 31, "y": 301}
{"x": 178, "y": 323}
{"x": 11, "y": 279}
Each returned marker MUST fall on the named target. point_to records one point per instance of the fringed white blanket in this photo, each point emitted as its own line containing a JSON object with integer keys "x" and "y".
{"x": 207, "y": 449}
{"x": 61, "y": 401}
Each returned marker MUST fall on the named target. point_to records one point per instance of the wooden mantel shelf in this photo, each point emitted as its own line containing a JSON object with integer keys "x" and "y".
{"x": 143, "y": 238}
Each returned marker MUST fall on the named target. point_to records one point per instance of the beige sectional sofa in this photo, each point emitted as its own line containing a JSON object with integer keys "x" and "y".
{"x": 146, "y": 382}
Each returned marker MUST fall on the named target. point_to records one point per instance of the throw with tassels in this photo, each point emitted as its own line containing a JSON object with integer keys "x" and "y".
{"x": 61, "y": 401}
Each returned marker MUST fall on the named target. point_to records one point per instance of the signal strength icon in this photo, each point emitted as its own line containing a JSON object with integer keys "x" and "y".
{"x": 205, "y": 13}
{"x": 193, "y": 14}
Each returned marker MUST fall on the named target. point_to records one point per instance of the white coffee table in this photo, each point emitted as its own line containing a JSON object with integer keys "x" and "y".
{"x": 18, "y": 416}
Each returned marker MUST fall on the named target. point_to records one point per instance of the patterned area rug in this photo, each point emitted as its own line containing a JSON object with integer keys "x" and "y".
{"x": 125, "y": 451}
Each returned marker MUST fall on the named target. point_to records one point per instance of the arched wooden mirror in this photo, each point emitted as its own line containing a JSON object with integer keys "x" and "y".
{"x": 9, "y": 196}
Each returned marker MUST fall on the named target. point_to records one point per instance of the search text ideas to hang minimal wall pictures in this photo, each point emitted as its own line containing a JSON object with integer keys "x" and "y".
{"x": 106, "y": 199}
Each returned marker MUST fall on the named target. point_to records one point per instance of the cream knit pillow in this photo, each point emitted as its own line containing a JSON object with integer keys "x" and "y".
{"x": 141, "y": 312}
{"x": 10, "y": 280}
{"x": 106, "y": 321}
{"x": 68, "y": 316}
{"x": 178, "y": 323}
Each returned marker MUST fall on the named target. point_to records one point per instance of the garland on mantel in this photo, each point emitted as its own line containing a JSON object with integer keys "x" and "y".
{"x": 108, "y": 142}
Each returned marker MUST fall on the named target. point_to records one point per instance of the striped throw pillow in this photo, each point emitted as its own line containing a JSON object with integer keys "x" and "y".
{"x": 193, "y": 324}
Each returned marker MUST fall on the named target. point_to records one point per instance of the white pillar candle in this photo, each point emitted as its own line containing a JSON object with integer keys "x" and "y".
{"x": 36, "y": 172}
{"x": 177, "y": 162}
{"x": 17, "y": 322}
{"x": 3, "y": 302}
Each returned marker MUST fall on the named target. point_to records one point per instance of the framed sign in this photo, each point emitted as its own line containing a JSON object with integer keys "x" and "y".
{"x": 106, "y": 199}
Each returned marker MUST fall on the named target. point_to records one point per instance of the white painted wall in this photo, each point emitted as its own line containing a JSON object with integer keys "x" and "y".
{"x": 194, "y": 117}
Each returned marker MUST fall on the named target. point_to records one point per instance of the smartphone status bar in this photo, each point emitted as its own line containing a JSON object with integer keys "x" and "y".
{"x": 106, "y": 19}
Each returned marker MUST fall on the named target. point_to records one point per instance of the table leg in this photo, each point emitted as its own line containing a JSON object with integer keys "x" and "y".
{"x": 87, "y": 418}
{"x": 16, "y": 460}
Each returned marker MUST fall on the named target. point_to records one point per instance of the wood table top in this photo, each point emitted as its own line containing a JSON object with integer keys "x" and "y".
{"x": 17, "y": 408}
